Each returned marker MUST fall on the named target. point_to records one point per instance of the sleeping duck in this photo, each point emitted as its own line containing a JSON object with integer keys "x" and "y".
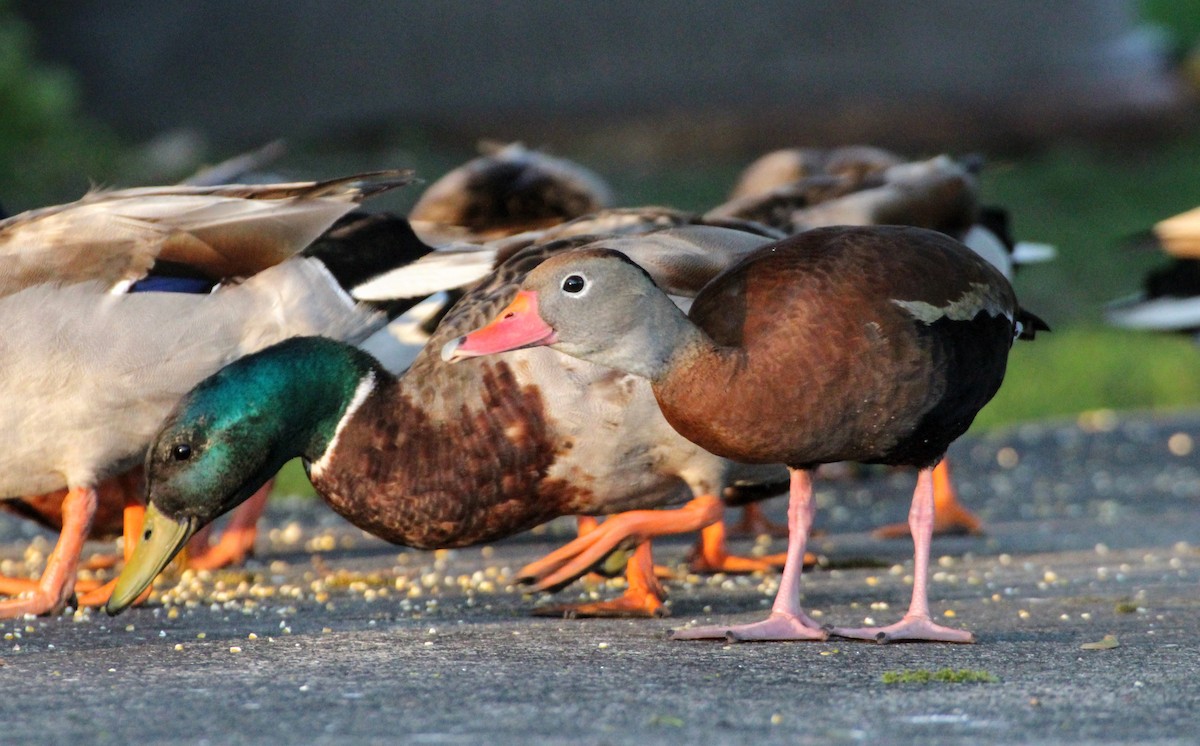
{"x": 92, "y": 370}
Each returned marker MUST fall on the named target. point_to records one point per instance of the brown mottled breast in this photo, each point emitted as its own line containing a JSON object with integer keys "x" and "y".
{"x": 819, "y": 362}
{"x": 452, "y": 455}
{"x": 445, "y": 479}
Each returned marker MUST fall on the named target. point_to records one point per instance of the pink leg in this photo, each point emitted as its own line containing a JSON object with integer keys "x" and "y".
{"x": 787, "y": 621}
{"x": 916, "y": 624}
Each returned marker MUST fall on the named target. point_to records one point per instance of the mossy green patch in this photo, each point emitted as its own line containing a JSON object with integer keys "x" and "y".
{"x": 945, "y": 675}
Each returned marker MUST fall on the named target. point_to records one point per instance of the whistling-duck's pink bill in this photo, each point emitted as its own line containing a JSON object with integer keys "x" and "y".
{"x": 517, "y": 326}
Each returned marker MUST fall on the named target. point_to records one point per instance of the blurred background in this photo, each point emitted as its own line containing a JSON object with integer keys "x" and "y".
{"x": 1085, "y": 111}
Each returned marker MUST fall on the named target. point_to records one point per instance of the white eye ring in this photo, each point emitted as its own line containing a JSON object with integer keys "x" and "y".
{"x": 575, "y": 284}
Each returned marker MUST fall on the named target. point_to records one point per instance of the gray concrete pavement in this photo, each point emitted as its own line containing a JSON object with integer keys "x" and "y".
{"x": 333, "y": 637}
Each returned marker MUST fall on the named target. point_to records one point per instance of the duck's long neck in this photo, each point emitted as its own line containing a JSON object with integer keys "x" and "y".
{"x": 658, "y": 342}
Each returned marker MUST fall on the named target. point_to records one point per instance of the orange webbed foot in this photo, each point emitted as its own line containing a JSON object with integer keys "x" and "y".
{"x": 56, "y": 587}
{"x": 644, "y": 598}
{"x": 711, "y": 555}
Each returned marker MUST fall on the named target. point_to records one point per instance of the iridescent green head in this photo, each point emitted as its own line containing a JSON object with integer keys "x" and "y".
{"x": 231, "y": 434}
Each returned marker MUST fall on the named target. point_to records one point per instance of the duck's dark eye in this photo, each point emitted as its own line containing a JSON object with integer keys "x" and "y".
{"x": 573, "y": 284}
{"x": 181, "y": 452}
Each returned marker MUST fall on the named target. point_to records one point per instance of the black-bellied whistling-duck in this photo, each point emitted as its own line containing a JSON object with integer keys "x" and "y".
{"x": 876, "y": 345}
{"x": 797, "y": 189}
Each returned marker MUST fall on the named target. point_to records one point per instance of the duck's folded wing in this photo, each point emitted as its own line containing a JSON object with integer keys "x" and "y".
{"x": 230, "y": 231}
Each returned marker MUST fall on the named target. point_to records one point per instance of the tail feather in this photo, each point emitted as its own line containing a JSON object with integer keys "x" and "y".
{"x": 1028, "y": 325}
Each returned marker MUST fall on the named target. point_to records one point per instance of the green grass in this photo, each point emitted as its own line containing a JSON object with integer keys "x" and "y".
{"x": 1087, "y": 368}
{"x": 1089, "y": 202}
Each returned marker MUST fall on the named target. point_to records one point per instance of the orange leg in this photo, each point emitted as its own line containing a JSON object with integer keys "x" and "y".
{"x": 642, "y": 598}
{"x": 711, "y": 555}
{"x": 950, "y": 517}
{"x": 754, "y": 523}
{"x": 57, "y": 584}
{"x": 17, "y": 586}
{"x": 572, "y": 560}
{"x": 134, "y": 512}
{"x": 237, "y": 540}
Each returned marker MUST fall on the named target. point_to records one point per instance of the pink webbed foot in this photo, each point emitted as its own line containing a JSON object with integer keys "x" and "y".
{"x": 779, "y": 627}
{"x": 911, "y": 628}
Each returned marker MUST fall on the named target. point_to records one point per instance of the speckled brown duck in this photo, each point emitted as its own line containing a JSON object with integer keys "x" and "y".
{"x": 514, "y": 197}
{"x": 451, "y": 455}
{"x": 877, "y": 345}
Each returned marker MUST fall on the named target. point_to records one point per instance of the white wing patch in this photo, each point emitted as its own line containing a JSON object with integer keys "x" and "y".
{"x": 980, "y": 297}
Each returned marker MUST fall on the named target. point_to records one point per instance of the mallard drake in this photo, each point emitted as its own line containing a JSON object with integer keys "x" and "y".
{"x": 443, "y": 455}
{"x": 827, "y": 346}
{"x": 110, "y": 366}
